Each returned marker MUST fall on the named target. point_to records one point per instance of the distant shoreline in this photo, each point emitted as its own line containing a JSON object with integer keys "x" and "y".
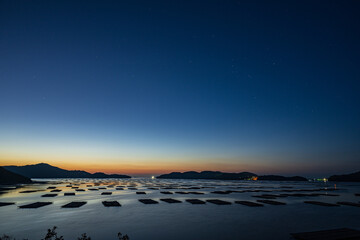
{"x": 22, "y": 174}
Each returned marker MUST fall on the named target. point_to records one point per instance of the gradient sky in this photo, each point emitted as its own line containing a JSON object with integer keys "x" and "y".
{"x": 149, "y": 87}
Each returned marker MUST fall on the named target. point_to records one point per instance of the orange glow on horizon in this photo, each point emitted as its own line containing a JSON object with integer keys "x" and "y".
{"x": 137, "y": 167}
{"x": 155, "y": 166}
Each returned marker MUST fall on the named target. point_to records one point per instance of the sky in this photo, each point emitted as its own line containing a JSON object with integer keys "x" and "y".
{"x": 151, "y": 87}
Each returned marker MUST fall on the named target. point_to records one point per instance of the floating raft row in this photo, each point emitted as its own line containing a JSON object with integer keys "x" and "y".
{"x": 140, "y": 192}
{"x": 170, "y": 200}
{"x": 166, "y": 192}
{"x": 36, "y": 205}
{"x": 322, "y": 203}
{"x": 249, "y": 204}
{"x": 196, "y": 193}
{"x": 119, "y": 188}
{"x": 73, "y": 205}
{"x": 218, "y": 202}
{"x": 69, "y": 194}
{"x": 2, "y": 204}
{"x": 329, "y": 194}
{"x": 333, "y": 234}
{"x": 301, "y": 194}
{"x": 51, "y": 187}
{"x": 271, "y": 202}
{"x": 106, "y": 193}
{"x": 49, "y": 195}
{"x": 264, "y": 196}
{"x": 111, "y": 204}
{"x": 148, "y": 201}
{"x": 221, "y": 192}
{"x": 349, "y": 204}
{"x": 195, "y": 201}
{"x": 80, "y": 190}
{"x": 276, "y": 195}
{"x": 56, "y": 190}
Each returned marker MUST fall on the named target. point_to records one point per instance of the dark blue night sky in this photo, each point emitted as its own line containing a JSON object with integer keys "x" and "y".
{"x": 156, "y": 86}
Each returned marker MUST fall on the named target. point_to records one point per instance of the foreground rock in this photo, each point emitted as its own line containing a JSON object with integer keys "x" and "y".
{"x": 43, "y": 170}
{"x": 7, "y": 177}
{"x": 208, "y": 175}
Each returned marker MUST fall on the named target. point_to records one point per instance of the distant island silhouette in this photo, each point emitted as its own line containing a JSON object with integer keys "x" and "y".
{"x": 281, "y": 178}
{"x": 23, "y": 174}
{"x": 44, "y": 170}
{"x": 8, "y": 177}
{"x": 352, "y": 177}
{"x": 216, "y": 175}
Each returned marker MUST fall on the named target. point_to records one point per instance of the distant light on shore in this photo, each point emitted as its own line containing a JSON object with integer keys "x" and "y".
{"x": 152, "y": 177}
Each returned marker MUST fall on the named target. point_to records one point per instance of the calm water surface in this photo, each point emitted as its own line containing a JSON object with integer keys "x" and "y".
{"x": 179, "y": 220}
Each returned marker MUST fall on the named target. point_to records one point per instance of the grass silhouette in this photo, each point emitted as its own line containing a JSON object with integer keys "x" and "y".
{"x": 53, "y": 235}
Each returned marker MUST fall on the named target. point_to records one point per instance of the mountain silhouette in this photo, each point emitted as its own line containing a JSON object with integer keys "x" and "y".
{"x": 8, "y": 177}
{"x": 352, "y": 177}
{"x": 44, "y": 170}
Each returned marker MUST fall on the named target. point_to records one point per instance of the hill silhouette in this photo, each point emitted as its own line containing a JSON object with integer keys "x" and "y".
{"x": 8, "y": 177}
{"x": 352, "y": 177}
{"x": 280, "y": 178}
{"x": 44, "y": 170}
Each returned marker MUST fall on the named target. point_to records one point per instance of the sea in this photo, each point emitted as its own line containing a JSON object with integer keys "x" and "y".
{"x": 181, "y": 220}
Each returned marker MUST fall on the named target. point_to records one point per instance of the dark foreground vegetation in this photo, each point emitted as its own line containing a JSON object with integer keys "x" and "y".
{"x": 53, "y": 235}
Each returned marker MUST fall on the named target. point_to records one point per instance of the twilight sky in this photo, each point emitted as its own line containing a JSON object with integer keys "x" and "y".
{"x": 148, "y": 87}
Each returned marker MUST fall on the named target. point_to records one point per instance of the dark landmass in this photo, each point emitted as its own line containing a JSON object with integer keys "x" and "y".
{"x": 208, "y": 175}
{"x": 281, "y": 178}
{"x": 43, "y": 170}
{"x": 8, "y": 177}
{"x": 227, "y": 176}
{"x": 352, "y": 177}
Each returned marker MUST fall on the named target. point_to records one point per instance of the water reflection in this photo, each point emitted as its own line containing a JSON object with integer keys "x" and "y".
{"x": 172, "y": 221}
